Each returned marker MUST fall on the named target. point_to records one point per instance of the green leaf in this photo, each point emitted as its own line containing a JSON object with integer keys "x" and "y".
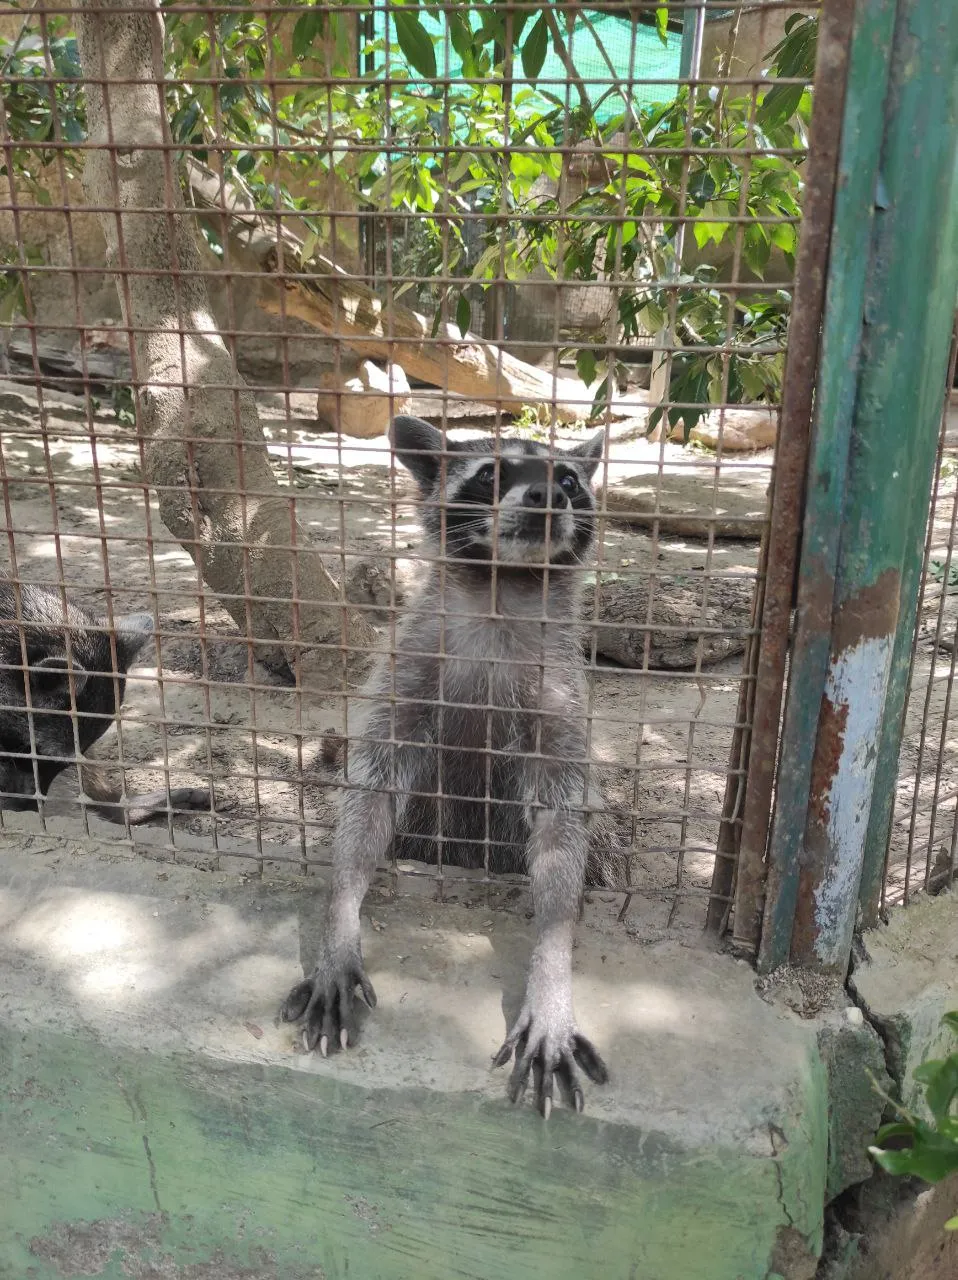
{"x": 784, "y": 236}
{"x": 932, "y": 1158}
{"x": 585, "y": 366}
{"x": 952, "y": 1224}
{"x": 519, "y": 21}
{"x": 72, "y": 129}
{"x": 460, "y": 34}
{"x": 950, "y": 1020}
{"x": 307, "y": 28}
{"x": 713, "y": 226}
{"x": 535, "y": 48}
{"x": 941, "y": 1078}
{"x": 463, "y": 314}
{"x": 415, "y": 42}
{"x": 662, "y": 23}
{"x": 779, "y": 104}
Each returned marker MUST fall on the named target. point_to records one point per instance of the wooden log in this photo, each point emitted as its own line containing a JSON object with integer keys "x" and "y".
{"x": 339, "y": 305}
{"x": 692, "y": 622}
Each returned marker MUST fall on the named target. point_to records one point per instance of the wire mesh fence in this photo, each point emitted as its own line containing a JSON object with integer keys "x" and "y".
{"x": 528, "y": 226}
{"x": 923, "y": 846}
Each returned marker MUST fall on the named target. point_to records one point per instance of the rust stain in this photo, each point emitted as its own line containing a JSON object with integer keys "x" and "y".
{"x": 829, "y": 745}
{"x": 870, "y": 614}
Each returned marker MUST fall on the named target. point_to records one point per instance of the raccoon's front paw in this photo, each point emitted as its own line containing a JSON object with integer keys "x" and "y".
{"x": 548, "y": 1045}
{"x": 326, "y": 1002}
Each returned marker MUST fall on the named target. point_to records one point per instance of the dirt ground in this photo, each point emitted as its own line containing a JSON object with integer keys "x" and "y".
{"x": 77, "y": 510}
{"x": 661, "y": 737}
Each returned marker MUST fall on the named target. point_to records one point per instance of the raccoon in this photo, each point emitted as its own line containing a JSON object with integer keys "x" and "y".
{"x": 473, "y": 746}
{"x": 71, "y": 686}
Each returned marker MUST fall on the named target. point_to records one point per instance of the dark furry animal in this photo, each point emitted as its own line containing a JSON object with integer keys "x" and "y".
{"x": 66, "y": 699}
{"x": 473, "y": 747}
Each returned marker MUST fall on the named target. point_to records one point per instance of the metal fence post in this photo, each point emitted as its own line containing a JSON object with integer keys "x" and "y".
{"x": 884, "y": 350}
{"x": 941, "y": 308}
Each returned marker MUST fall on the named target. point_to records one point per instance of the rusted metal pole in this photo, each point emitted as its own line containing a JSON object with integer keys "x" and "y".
{"x": 870, "y": 472}
{"x": 760, "y": 705}
{"x": 862, "y": 129}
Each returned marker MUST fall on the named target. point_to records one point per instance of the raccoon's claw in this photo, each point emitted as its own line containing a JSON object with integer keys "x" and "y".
{"x": 549, "y": 1057}
{"x": 326, "y": 1002}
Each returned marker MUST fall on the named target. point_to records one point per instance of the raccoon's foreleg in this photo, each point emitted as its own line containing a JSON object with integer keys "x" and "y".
{"x": 364, "y": 834}
{"x": 544, "y": 1037}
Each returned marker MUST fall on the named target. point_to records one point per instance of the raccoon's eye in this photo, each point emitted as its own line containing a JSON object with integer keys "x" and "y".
{"x": 485, "y": 477}
{"x": 570, "y": 484}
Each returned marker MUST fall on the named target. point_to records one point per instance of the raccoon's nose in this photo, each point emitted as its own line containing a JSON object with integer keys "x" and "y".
{"x": 544, "y": 495}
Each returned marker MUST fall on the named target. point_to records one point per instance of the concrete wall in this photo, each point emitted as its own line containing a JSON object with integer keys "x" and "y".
{"x": 156, "y": 1122}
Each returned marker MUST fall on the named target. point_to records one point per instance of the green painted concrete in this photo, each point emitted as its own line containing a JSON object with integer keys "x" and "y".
{"x": 247, "y": 1167}
{"x": 854, "y": 1058}
{"x": 156, "y": 1124}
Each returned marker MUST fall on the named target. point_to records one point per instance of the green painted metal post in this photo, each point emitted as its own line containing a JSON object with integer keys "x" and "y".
{"x": 858, "y": 165}
{"x": 941, "y": 309}
{"x": 869, "y": 480}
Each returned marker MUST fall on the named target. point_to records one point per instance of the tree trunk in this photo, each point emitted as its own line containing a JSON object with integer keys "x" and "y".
{"x": 340, "y": 305}
{"x": 205, "y": 452}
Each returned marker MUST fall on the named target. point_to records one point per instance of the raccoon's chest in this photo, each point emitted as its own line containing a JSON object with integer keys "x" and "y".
{"x": 491, "y": 664}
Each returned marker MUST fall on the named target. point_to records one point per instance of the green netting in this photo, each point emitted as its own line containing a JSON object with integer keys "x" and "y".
{"x": 634, "y": 49}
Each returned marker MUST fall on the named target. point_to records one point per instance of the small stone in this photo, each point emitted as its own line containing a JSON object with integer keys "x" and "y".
{"x": 854, "y": 1016}
{"x": 740, "y": 430}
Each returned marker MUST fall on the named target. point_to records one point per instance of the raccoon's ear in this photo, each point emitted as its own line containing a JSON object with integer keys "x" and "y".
{"x": 134, "y": 631}
{"x": 418, "y": 446}
{"x": 588, "y": 455}
{"x": 50, "y": 679}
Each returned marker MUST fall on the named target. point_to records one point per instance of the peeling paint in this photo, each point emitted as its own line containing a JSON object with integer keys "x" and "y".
{"x": 855, "y": 688}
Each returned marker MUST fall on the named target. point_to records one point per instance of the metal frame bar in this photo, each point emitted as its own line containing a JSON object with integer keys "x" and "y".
{"x": 891, "y": 290}
{"x": 748, "y": 798}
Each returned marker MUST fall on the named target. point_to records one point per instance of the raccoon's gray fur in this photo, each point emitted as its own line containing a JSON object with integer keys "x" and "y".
{"x": 472, "y": 747}
{"x": 67, "y": 648}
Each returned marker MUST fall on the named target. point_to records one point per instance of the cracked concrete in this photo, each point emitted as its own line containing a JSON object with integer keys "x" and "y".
{"x": 906, "y": 981}
{"x": 162, "y": 1125}
{"x": 148, "y": 1088}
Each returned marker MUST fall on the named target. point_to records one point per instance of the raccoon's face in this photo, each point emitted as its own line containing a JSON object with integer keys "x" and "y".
{"x": 521, "y": 506}
{"x": 83, "y": 686}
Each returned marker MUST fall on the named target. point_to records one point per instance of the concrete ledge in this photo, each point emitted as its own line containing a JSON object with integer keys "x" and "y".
{"x": 157, "y": 1123}
{"x": 907, "y": 982}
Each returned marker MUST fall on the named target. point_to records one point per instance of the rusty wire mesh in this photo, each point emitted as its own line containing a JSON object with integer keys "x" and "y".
{"x": 668, "y": 599}
{"x": 923, "y": 846}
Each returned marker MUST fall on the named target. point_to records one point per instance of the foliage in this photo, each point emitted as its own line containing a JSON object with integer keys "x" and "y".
{"x": 499, "y": 203}
{"x": 42, "y": 101}
{"x": 921, "y": 1148}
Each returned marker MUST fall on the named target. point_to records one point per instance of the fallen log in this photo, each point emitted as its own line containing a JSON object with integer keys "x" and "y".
{"x": 326, "y": 297}
{"x": 685, "y": 628}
